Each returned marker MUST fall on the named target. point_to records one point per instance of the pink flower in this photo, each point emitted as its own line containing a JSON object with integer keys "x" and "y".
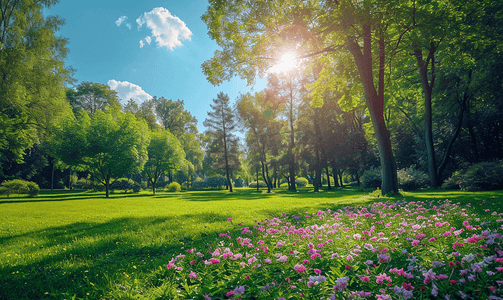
{"x": 314, "y": 256}
{"x": 230, "y": 293}
{"x": 317, "y": 271}
{"x": 214, "y": 261}
{"x": 447, "y": 233}
{"x": 300, "y": 268}
{"x": 364, "y": 278}
{"x": 472, "y": 239}
{"x": 193, "y": 262}
{"x": 381, "y": 277}
{"x": 415, "y": 243}
{"x": 229, "y": 219}
{"x": 407, "y": 286}
{"x": 457, "y": 245}
{"x": 192, "y": 275}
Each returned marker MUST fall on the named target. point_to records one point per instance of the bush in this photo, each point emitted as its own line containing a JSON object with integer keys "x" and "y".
{"x": 173, "y": 187}
{"x": 253, "y": 184}
{"x": 19, "y": 186}
{"x": 33, "y": 188}
{"x": 82, "y": 184}
{"x": 411, "y": 179}
{"x": 239, "y": 182}
{"x": 215, "y": 182}
{"x": 301, "y": 181}
{"x": 124, "y": 184}
{"x": 452, "y": 183}
{"x": 372, "y": 178}
{"x": 136, "y": 187}
{"x": 484, "y": 176}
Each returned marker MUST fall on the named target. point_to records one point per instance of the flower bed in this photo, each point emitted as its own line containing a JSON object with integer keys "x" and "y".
{"x": 404, "y": 250}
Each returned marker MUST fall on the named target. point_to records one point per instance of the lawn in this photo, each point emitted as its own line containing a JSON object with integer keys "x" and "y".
{"x": 80, "y": 245}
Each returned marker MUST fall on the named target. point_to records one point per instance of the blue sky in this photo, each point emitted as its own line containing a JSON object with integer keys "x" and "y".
{"x": 162, "y": 57}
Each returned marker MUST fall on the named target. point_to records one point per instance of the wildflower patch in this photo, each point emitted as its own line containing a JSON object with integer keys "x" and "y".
{"x": 403, "y": 250}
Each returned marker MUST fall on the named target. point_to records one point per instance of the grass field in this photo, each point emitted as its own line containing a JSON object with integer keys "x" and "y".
{"x": 80, "y": 245}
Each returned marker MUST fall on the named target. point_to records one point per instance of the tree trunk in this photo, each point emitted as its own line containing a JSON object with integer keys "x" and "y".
{"x": 334, "y": 174}
{"x": 257, "y": 178}
{"x": 266, "y": 180}
{"x": 290, "y": 149}
{"x": 52, "y": 175}
{"x": 329, "y": 186}
{"x": 154, "y": 181}
{"x": 375, "y": 104}
{"x": 428, "y": 127}
{"x": 339, "y": 173}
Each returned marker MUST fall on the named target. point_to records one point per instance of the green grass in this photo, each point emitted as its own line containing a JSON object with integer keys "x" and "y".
{"x": 80, "y": 245}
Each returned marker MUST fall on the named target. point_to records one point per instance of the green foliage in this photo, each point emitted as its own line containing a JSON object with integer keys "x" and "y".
{"x": 19, "y": 186}
{"x": 239, "y": 182}
{"x": 124, "y": 184}
{"x": 215, "y": 182}
{"x": 32, "y": 75}
{"x": 92, "y": 97}
{"x": 301, "y": 181}
{"x": 253, "y": 184}
{"x": 483, "y": 176}
{"x": 173, "y": 187}
{"x": 411, "y": 178}
{"x": 108, "y": 144}
{"x": 165, "y": 154}
{"x": 372, "y": 178}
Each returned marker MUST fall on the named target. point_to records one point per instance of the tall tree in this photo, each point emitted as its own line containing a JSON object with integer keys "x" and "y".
{"x": 165, "y": 154}
{"x": 92, "y": 97}
{"x": 288, "y": 89}
{"x": 173, "y": 116}
{"x": 32, "y": 75}
{"x": 249, "y": 33}
{"x": 259, "y": 117}
{"x": 109, "y": 144}
{"x": 220, "y": 125}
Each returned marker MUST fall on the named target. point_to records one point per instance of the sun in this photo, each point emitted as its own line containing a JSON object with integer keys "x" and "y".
{"x": 286, "y": 62}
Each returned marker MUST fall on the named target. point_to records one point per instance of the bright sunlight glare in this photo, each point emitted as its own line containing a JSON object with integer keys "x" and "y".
{"x": 286, "y": 63}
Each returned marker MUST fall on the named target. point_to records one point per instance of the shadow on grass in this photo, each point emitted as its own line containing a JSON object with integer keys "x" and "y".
{"x": 88, "y": 257}
{"x": 68, "y": 195}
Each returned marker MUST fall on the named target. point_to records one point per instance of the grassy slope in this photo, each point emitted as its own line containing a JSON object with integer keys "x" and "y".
{"x": 79, "y": 244}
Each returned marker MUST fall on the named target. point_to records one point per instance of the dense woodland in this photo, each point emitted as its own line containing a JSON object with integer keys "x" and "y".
{"x": 389, "y": 94}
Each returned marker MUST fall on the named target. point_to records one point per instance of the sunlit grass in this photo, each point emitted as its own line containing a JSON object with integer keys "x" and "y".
{"x": 66, "y": 244}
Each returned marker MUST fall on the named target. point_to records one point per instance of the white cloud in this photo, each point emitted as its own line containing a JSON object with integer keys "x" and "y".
{"x": 142, "y": 44}
{"x": 120, "y": 20}
{"x": 128, "y": 25}
{"x": 148, "y": 39}
{"x": 168, "y": 30}
{"x": 126, "y": 90}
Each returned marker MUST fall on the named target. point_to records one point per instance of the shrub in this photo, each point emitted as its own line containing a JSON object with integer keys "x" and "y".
{"x": 412, "y": 179}
{"x": 372, "y": 178}
{"x": 124, "y": 184}
{"x": 173, "y": 187}
{"x": 33, "y": 188}
{"x": 301, "y": 181}
{"x": 19, "y": 186}
{"x": 239, "y": 182}
{"x": 253, "y": 184}
{"x": 452, "y": 183}
{"x": 136, "y": 187}
{"x": 483, "y": 176}
{"x": 215, "y": 182}
{"x": 82, "y": 184}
